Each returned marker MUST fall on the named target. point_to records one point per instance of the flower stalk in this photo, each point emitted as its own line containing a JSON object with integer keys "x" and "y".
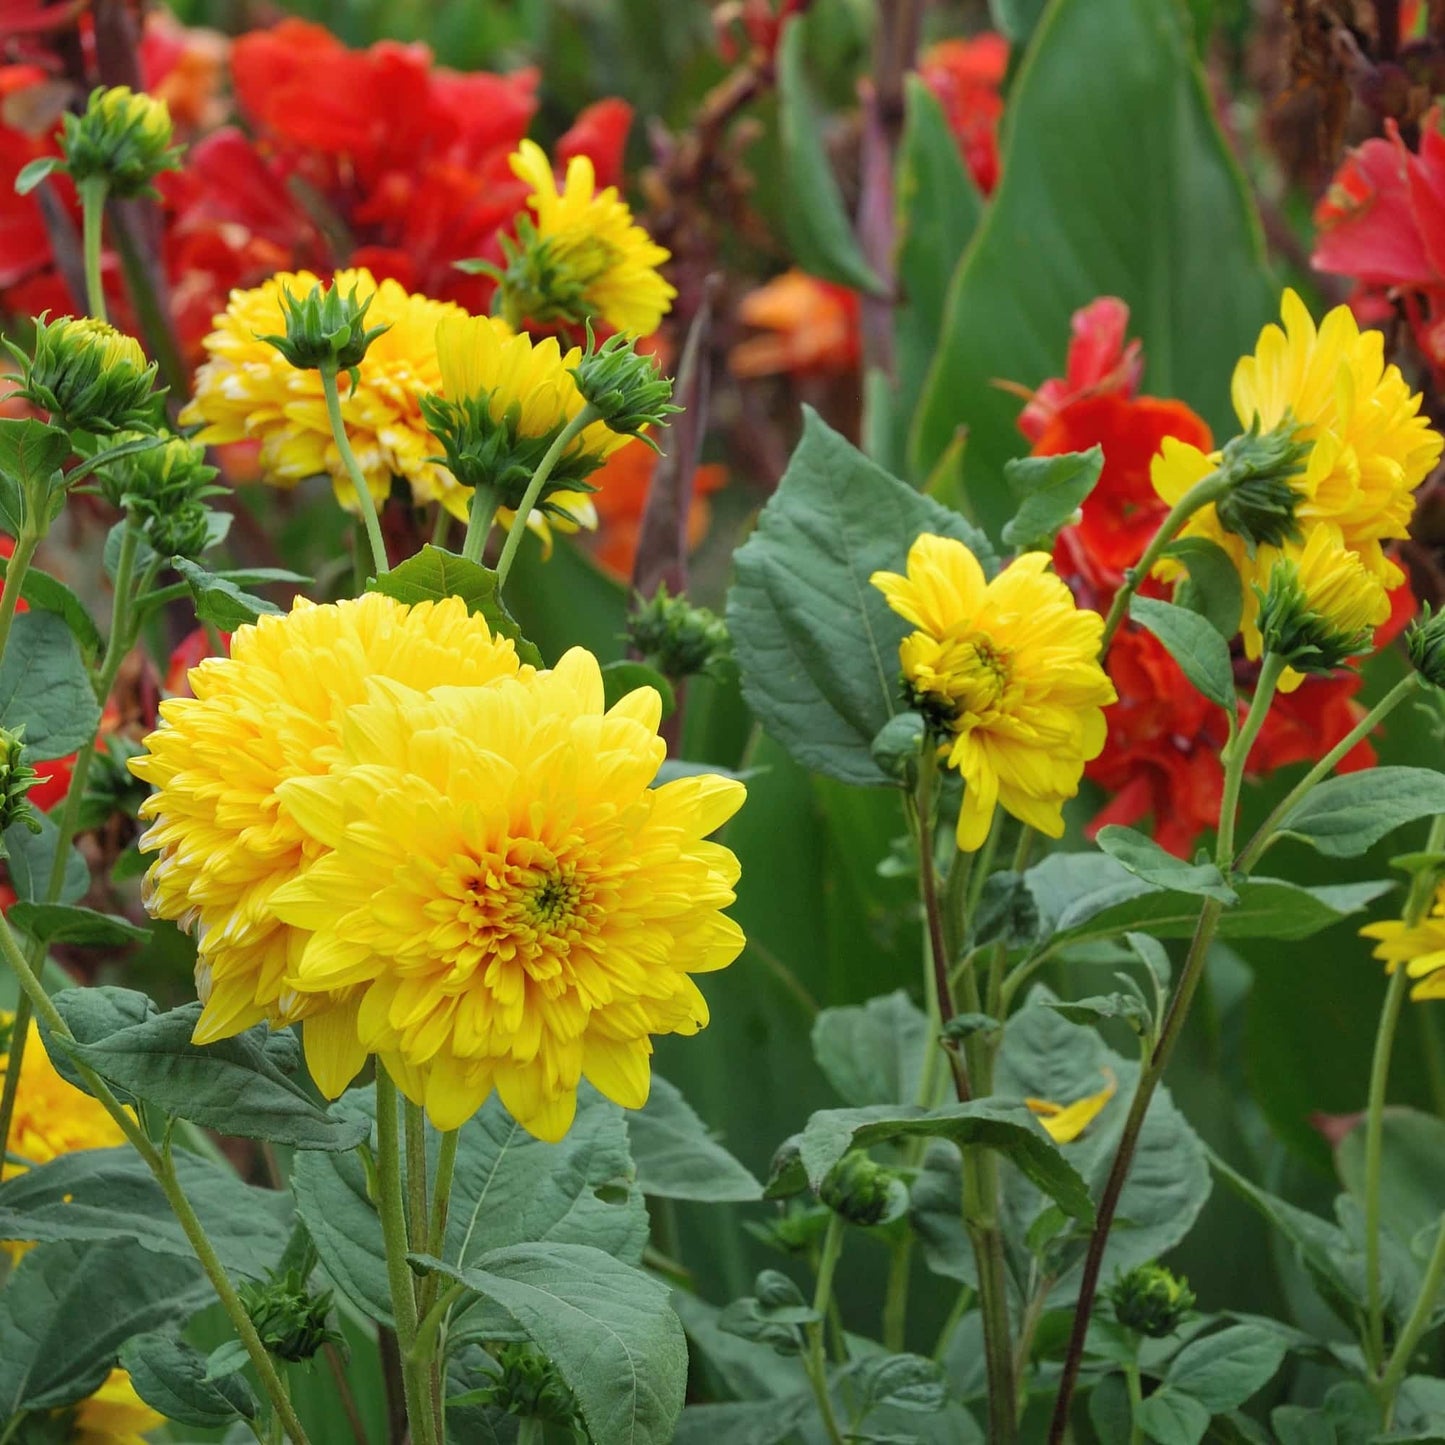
{"x": 365, "y": 503}
{"x": 814, "y": 1361}
{"x": 93, "y": 192}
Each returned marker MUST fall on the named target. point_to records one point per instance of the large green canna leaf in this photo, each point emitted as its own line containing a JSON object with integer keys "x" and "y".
{"x": 1115, "y": 181}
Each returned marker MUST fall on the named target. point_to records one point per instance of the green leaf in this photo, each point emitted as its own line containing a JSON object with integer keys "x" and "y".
{"x": 1145, "y": 859}
{"x": 65, "y": 923}
{"x": 1123, "y": 1006}
{"x": 606, "y": 1327}
{"x": 31, "y": 455}
{"x": 1050, "y": 490}
{"x": 1016, "y": 18}
{"x": 508, "y": 1188}
{"x": 751, "y": 1422}
{"x": 820, "y": 234}
{"x": 675, "y": 1156}
{"x": 1083, "y": 896}
{"x": 94, "y": 1014}
{"x": 1145, "y": 203}
{"x": 45, "y": 687}
{"x": 1412, "y": 1178}
{"x": 171, "y": 1378}
{"x": 1212, "y": 587}
{"x": 1109, "y": 1411}
{"x": 33, "y": 172}
{"x": 68, "y": 1308}
{"x": 30, "y": 856}
{"x": 1222, "y": 1370}
{"x": 42, "y": 590}
{"x": 816, "y": 643}
{"x": 219, "y": 602}
{"x": 1346, "y": 816}
{"x": 938, "y": 207}
{"x": 433, "y": 574}
{"x": 102, "y": 1195}
{"x": 872, "y": 1053}
{"x": 1001, "y": 1125}
{"x": 1170, "y": 1418}
{"x": 236, "y": 1086}
{"x": 620, "y": 678}
{"x": 1194, "y": 643}
{"x": 1298, "y": 1425}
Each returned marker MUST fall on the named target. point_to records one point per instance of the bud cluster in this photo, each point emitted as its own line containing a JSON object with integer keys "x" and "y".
{"x": 528, "y": 1385}
{"x": 164, "y": 487}
{"x": 1151, "y": 1301}
{"x": 677, "y": 638}
{"x": 291, "y": 1321}
{"x": 17, "y": 777}
{"x": 863, "y": 1191}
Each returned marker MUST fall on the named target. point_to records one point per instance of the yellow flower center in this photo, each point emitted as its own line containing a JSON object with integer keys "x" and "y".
{"x": 973, "y": 675}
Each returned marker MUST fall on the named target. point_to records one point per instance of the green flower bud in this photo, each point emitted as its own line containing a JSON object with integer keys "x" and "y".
{"x": 862, "y": 1191}
{"x": 325, "y": 328}
{"x": 627, "y": 389}
{"x": 89, "y": 377}
{"x": 17, "y": 777}
{"x": 1151, "y": 1301}
{"x": 1425, "y": 642}
{"x": 163, "y": 486}
{"x": 290, "y": 1320}
{"x": 527, "y": 1384}
{"x": 122, "y": 138}
{"x": 675, "y": 637}
{"x": 1259, "y": 499}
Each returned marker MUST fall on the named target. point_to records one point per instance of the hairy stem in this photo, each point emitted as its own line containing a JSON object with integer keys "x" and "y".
{"x": 365, "y": 503}
{"x": 1199, "y": 495}
{"x": 1414, "y": 1327}
{"x": 814, "y": 1361}
{"x": 545, "y": 468}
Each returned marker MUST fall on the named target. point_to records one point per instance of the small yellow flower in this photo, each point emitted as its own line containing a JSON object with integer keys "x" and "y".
{"x": 594, "y": 251}
{"x": 1420, "y": 950}
{"x": 1321, "y": 607}
{"x": 52, "y": 1117}
{"x": 270, "y": 712}
{"x": 515, "y": 903}
{"x": 1063, "y": 1123}
{"x": 247, "y": 390}
{"x": 113, "y": 1415}
{"x": 1369, "y": 445}
{"x": 1010, "y": 669}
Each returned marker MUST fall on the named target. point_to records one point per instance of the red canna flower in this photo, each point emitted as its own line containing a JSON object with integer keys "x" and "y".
{"x": 1100, "y": 363}
{"x": 966, "y": 76}
{"x": 805, "y": 327}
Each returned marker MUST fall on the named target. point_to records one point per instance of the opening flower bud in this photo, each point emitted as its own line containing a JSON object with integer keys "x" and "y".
{"x": 89, "y": 377}
{"x": 1151, "y": 1301}
{"x": 122, "y": 138}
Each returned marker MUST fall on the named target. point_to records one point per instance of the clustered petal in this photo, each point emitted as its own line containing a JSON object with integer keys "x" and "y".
{"x": 1009, "y": 669}
{"x": 113, "y": 1414}
{"x": 270, "y": 712}
{"x": 384, "y": 825}
{"x": 1419, "y": 950}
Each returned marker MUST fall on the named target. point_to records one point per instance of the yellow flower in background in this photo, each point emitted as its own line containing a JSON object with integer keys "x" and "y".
{"x": 517, "y": 906}
{"x": 1369, "y": 446}
{"x": 113, "y": 1415}
{"x": 1063, "y": 1123}
{"x": 595, "y": 258}
{"x": 1010, "y": 669}
{"x": 1420, "y": 950}
{"x": 504, "y": 400}
{"x": 270, "y": 712}
{"x": 247, "y": 391}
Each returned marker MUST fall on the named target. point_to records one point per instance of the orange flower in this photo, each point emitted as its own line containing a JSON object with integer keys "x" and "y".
{"x": 808, "y": 326}
{"x": 623, "y": 484}
{"x": 965, "y": 76}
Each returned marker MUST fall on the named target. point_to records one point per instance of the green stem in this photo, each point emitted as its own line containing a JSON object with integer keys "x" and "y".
{"x": 1235, "y": 755}
{"x": 1199, "y": 495}
{"x": 479, "y": 523}
{"x": 155, "y": 323}
{"x": 117, "y": 646}
{"x": 366, "y": 505}
{"x": 545, "y": 467}
{"x": 1322, "y": 769}
{"x": 163, "y": 1169}
{"x": 392, "y": 1208}
{"x": 418, "y": 1212}
{"x": 530, "y": 1431}
{"x": 1414, "y": 1327}
{"x": 814, "y": 1362}
{"x": 962, "y": 1302}
{"x": 1136, "y": 1399}
{"x": 15, "y": 570}
{"x": 441, "y": 1201}
{"x": 92, "y": 213}
{"x": 895, "y": 1295}
{"x": 1416, "y": 903}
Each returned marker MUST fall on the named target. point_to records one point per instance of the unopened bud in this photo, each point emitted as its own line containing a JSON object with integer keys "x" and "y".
{"x": 675, "y": 637}
{"x": 325, "y": 328}
{"x": 1425, "y": 642}
{"x": 1151, "y": 1301}
{"x": 1259, "y": 499}
{"x": 627, "y": 389}
{"x": 89, "y": 377}
{"x": 291, "y": 1321}
{"x": 862, "y": 1191}
{"x": 123, "y": 138}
